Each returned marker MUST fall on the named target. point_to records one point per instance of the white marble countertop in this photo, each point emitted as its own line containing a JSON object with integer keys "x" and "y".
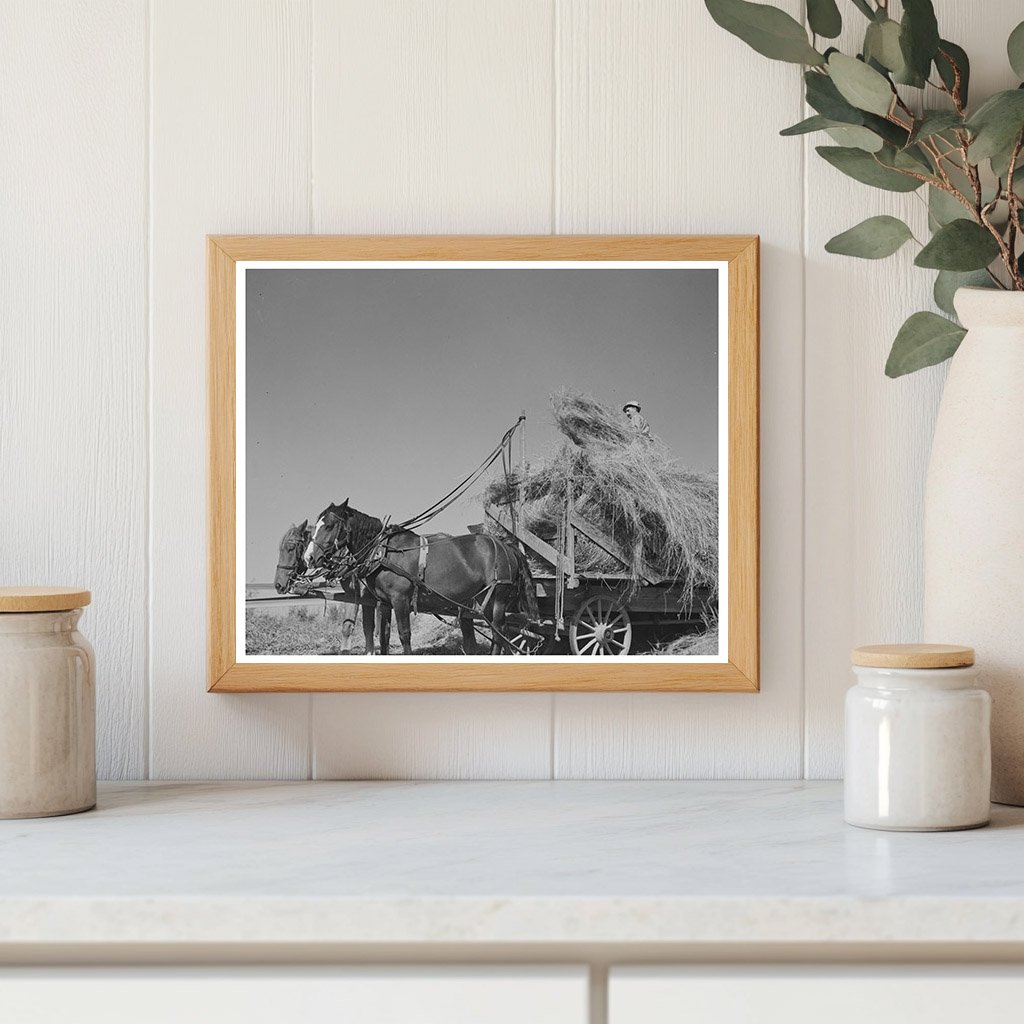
{"x": 500, "y": 862}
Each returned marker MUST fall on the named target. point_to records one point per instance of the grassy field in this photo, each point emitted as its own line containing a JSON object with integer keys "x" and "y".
{"x": 315, "y": 631}
{"x": 310, "y": 631}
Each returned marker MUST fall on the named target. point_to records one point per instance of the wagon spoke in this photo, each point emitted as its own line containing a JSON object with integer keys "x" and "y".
{"x": 584, "y": 648}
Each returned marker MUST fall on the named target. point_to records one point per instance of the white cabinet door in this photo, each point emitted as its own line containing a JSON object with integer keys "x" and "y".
{"x": 813, "y": 995}
{"x": 373, "y": 995}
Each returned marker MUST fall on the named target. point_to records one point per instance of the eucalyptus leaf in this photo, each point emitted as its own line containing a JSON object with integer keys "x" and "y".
{"x": 817, "y": 123}
{"x": 882, "y": 44}
{"x": 860, "y": 85}
{"x": 949, "y": 55}
{"x": 912, "y": 159}
{"x": 943, "y": 208}
{"x": 864, "y": 167}
{"x": 825, "y": 98}
{"x": 996, "y": 125}
{"x": 960, "y": 245}
{"x": 769, "y": 31}
{"x": 926, "y": 339}
{"x": 892, "y": 133}
{"x": 1015, "y": 50}
{"x": 856, "y": 137}
{"x": 1001, "y": 161}
{"x": 853, "y": 135}
{"x": 934, "y": 122}
{"x": 947, "y": 282}
{"x": 872, "y": 239}
{"x": 864, "y": 7}
{"x": 919, "y": 36}
{"x": 824, "y": 18}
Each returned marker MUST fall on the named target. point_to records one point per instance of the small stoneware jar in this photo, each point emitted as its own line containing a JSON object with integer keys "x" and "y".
{"x": 918, "y": 750}
{"x": 47, "y": 704}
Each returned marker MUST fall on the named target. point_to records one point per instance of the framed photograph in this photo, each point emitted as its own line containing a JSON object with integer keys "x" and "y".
{"x": 483, "y": 463}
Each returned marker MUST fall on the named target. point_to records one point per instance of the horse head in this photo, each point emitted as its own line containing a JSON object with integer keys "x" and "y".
{"x": 290, "y": 560}
{"x": 331, "y": 533}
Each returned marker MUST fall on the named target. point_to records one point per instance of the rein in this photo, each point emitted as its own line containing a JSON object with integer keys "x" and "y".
{"x": 500, "y": 450}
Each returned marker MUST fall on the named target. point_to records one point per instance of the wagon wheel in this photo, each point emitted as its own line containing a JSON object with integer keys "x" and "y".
{"x": 601, "y": 625}
{"x": 529, "y": 643}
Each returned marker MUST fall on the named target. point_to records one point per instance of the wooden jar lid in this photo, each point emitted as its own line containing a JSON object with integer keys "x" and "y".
{"x": 913, "y": 656}
{"x": 42, "y": 599}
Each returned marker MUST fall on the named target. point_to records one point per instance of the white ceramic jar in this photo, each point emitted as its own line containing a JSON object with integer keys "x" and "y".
{"x": 47, "y": 704}
{"x": 918, "y": 748}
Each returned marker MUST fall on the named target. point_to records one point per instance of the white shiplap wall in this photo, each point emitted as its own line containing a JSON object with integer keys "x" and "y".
{"x": 133, "y": 129}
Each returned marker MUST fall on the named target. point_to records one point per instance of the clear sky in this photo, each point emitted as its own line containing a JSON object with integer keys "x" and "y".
{"x": 387, "y": 386}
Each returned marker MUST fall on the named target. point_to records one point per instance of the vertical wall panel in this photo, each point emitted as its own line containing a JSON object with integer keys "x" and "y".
{"x": 868, "y": 437}
{"x": 73, "y": 332}
{"x": 230, "y": 151}
{"x": 667, "y": 124}
{"x": 432, "y": 116}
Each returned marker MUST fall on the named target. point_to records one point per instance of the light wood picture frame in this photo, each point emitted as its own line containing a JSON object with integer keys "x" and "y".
{"x": 736, "y": 669}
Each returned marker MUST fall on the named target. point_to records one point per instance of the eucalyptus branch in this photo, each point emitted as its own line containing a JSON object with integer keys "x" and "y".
{"x": 906, "y": 47}
{"x": 1004, "y": 251}
{"x": 1013, "y": 203}
{"x": 928, "y": 146}
{"x": 974, "y": 178}
{"x": 902, "y": 105}
{"x": 949, "y": 154}
{"x": 956, "y": 93}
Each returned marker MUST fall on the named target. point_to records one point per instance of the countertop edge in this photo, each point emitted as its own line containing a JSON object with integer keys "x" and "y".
{"x": 454, "y": 920}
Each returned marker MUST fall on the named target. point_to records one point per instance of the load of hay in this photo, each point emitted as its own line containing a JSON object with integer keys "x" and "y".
{"x": 629, "y": 487}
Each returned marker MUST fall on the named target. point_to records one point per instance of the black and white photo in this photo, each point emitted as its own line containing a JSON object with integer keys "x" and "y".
{"x": 482, "y": 460}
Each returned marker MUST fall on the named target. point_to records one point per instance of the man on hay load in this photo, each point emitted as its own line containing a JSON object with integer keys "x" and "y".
{"x": 638, "y": 422}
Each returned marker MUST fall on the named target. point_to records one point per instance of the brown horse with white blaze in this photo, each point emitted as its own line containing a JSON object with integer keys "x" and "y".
{"x": 470, "y": 573}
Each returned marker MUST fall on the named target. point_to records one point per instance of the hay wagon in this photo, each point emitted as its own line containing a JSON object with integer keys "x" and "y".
{"x": 594, "y": 612}
{"x": 589, "y": 611}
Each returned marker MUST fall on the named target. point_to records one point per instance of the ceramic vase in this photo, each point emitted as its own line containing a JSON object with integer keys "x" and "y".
{"x": 974, "y": 517}
{"x": 47, "y": 715}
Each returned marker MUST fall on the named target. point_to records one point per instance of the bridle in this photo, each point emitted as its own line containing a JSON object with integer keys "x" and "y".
{"x": 292, "y": 567}
{"x": 332, "y": 523}
{"x": 337, "y": 552}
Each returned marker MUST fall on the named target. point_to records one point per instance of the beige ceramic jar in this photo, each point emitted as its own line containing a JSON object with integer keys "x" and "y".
{"x": 47, "y": 704}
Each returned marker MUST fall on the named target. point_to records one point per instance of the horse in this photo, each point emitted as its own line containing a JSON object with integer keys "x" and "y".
{"x": 469, "y": 573}
{"x": 291, "y": 564}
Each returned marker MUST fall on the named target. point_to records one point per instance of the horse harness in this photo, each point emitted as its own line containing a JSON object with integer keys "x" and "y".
{"x": 379, "y": 561}
{"x": 372, "y": 558}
